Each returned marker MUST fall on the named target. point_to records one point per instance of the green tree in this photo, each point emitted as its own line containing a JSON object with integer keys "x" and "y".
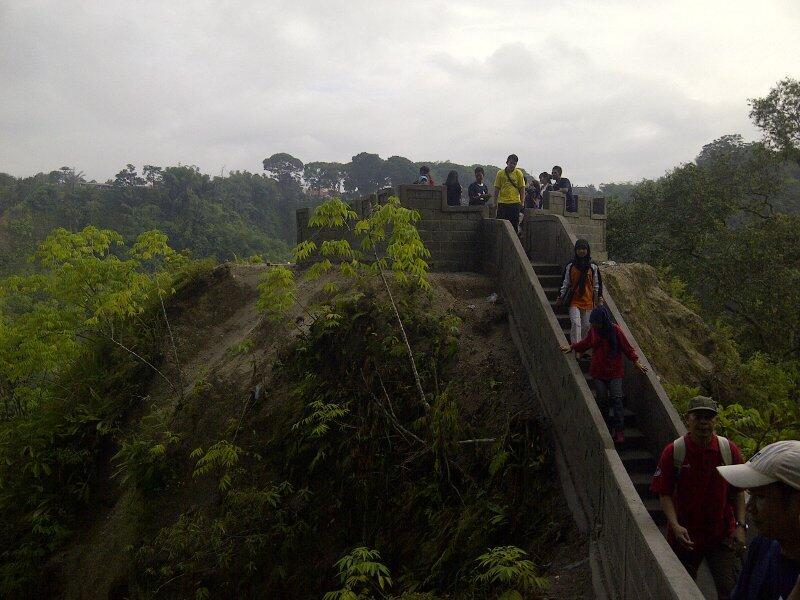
{"x": 128, "y": 177}
{"x": 389, "y": 223}
{"x": 366, "y": 173}
{"x": 506, "y": 571}
{"x": 283, "y": 167}
{"x": 152, "y": 174}
{"x": 324, "y": 176}
{"x": 778, "y": 115}
{"x": 362, "y": 576}
{"x": 83, "y": 292}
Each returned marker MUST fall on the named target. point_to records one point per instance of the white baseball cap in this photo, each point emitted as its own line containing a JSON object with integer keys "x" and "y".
{"x": 777, "y": 462}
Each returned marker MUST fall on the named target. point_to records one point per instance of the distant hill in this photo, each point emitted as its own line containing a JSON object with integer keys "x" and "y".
{"x": 224, "y": 217}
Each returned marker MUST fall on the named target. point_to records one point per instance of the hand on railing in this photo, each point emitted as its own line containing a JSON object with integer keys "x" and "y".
{"x": 566, "y": 349}
{"x": 642, "y": 367}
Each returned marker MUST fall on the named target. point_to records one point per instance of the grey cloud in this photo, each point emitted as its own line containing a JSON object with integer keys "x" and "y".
{"x": 99, "y": 85}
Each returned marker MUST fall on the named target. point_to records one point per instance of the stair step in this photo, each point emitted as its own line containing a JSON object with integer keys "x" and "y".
{"x": 628, "y": 415}
{"x": 653, "y": 506}
{"x": 551, "y": 292}
{"x": 546, "y": 268}
{"x": 560, "y": 309}
{"x": 637, "y": 459}
{"x": 641, "y": 481}
{"x": 550, "y": 281}
{"x": 634, "y": 439}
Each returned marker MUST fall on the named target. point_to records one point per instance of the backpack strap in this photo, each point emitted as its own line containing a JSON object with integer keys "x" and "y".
{"x": 511, "y": 181}
{"x": 678, "y": 453}
{"x": 599, "y": 276}
{"x": 725, "y": 450}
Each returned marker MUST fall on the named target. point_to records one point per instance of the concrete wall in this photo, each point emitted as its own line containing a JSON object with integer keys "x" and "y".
{"x": 450, "y": 233}
{"x": 630, "y": 557}
{"x": 589, "y": 222}
{"x": 547, "y": 239}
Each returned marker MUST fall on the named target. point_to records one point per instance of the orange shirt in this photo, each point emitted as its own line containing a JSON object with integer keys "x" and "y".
{"x": 583, "y": 299}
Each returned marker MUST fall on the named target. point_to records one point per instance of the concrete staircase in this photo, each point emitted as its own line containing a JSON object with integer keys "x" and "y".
{"x": 637, "y": 459}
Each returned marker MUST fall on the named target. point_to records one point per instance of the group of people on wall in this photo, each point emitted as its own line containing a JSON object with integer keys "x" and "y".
{"x": 701, "y": 477}
{"x": 512, "y": 189}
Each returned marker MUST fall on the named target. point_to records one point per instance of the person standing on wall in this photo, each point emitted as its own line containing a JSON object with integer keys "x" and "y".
{"x": 533, "y": 194}
{"x": 544, "y": 182}
{"x": 478, "y": 191}
{"x": 453, "y": 189}
{"x": 581, "y": 290}
{"x": 509, "y": 191}
{"x": 563, "y": 185}
{"x": 544, "y": 186}
{"x": 425, "y": 177}
{"x": 772, "y": 566}
{"x": 705, "y": 515}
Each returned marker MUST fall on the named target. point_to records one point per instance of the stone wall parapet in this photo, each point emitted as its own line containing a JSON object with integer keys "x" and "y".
{"x": 629, "y": 556}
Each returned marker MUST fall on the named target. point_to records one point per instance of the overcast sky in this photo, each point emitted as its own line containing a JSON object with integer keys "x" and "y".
{"x": 611, "y": 89}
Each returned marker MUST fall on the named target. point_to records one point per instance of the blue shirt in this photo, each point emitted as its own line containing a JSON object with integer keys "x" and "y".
{"x": 766, "y": 574}
{"x": 565, "y": 185}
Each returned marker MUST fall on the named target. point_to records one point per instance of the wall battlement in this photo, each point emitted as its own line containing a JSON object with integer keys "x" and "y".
{"x": 451, "y": 233}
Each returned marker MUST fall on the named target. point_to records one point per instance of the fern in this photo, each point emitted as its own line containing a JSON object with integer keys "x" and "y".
{"x": 506, "y": 568}
{"x": 318, "y": 423}
{"x": 362, "y": 575}
{"x": 219, "y": 458}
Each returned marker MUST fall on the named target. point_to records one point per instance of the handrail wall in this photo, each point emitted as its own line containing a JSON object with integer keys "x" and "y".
{"x": 630, "y": 557}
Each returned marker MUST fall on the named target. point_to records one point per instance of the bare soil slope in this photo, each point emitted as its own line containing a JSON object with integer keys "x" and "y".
{"x": 676, "y": 340}
{"x": 226, "y": 349}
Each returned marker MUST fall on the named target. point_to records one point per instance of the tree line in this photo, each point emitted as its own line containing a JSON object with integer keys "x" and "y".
{"x": 724, "y": 231}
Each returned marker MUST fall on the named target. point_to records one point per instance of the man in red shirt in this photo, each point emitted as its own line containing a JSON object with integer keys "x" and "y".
{"x": 705, "y": 515}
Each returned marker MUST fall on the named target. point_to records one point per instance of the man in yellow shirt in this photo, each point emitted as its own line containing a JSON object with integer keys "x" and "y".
{"x": 509, "y": 191}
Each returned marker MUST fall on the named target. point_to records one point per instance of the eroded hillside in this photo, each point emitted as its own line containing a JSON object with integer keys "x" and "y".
{"x": 675, "y": 339}
{"x": 298, "y": 441}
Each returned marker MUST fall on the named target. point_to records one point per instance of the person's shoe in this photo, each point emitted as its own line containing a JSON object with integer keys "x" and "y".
{"x": 619, "y": 435}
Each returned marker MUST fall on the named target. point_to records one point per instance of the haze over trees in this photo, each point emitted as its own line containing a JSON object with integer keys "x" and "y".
{"x": 237, "y": 215}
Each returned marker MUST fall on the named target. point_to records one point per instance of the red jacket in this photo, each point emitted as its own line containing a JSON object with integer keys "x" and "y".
{"x": 604, "y": 365}
{"x": 701, "y": 496}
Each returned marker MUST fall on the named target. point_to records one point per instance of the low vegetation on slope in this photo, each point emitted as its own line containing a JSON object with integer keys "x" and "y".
{"x": 337, "y": 453}
{"x": 759, "y": 393}
{"x": 186, "y": 446}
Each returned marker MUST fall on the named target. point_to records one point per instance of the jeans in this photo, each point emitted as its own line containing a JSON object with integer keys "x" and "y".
{"x": 609, "y": 398}
{"x": 579, "y": 318}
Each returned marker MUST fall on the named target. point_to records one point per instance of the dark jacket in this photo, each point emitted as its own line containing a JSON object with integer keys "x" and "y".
{"x": 766, "y": 575}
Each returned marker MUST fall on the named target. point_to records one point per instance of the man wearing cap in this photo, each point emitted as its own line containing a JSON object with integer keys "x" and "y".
{"x": 705, "y": 515}
{"x": 772, "y": 566}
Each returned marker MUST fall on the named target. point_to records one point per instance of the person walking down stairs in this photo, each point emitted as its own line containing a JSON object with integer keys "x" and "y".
{"x": 608, "y": 344}
{"x": 581, "y": 290}
{"x": 705, "y": 515}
